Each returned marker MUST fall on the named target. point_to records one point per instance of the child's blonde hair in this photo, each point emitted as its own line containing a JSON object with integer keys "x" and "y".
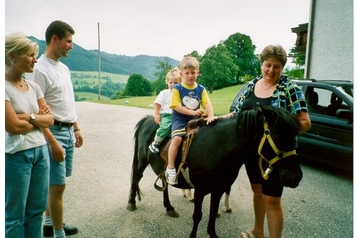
{"x": 174, "y": 73}
{"x": 189, "y": 62}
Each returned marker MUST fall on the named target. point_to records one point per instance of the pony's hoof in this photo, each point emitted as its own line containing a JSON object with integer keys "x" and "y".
{"x": 193, "y": 234}
{"x": 173, "y": 213}
{"x": 228, "y": 210}
{"x": 131, "y": 207}
{"x": 213, "y": 234}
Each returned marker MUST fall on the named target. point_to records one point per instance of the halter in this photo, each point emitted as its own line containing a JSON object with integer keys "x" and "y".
{"x": 279, "y": 154}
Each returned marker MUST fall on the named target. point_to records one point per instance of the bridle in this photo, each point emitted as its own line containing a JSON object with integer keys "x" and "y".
{"x": 279, "y": 154}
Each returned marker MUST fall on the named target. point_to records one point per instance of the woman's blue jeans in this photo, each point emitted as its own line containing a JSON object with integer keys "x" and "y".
{"x": 26, "y": 191}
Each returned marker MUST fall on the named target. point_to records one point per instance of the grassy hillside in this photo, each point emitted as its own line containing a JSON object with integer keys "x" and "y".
{"x": 81, "y": 59}
{"x": 221, "y": 100}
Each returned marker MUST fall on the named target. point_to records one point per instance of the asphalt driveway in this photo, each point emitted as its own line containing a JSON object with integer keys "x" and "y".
{"x": 97, "y": 193}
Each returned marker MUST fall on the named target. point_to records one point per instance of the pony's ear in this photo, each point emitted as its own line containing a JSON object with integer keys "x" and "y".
{"x": 268, "y": 113}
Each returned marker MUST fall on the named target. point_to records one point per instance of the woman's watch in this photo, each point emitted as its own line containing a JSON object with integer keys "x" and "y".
{"x": 32, "y": 118}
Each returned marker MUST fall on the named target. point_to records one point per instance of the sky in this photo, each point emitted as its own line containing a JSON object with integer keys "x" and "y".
{"x": 170, "y": 28}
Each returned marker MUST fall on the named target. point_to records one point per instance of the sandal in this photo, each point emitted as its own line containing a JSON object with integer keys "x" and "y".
{"x": 247, "y": 234}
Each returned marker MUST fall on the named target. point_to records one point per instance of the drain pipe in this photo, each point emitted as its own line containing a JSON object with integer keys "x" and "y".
{"x": 310, "y": 39}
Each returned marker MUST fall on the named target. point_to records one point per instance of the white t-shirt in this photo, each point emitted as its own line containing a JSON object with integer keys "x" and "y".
{"x": 25, "y": 102}
{"x": 54, "y": 79}
{"x": 163, "y": 99}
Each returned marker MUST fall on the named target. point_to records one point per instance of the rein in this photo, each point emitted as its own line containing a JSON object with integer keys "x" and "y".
{"x": 279, "y": 154}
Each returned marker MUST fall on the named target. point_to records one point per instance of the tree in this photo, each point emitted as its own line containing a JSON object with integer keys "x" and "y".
{"x": 217, "y": 68}
{"x": 297, "y": 57}
{"x": 163, "y": 68}
{"x": 137, "y": 85}
{"x": 196, "y": 55}
{"x": 299, "y": 60}
{"x": 242, "y": 52}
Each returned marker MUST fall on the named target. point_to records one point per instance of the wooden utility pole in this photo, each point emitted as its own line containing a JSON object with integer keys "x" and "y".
{"x": 99, "y": 66}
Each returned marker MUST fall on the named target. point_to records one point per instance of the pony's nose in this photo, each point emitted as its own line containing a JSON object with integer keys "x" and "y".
{"x": 295, "y": 181}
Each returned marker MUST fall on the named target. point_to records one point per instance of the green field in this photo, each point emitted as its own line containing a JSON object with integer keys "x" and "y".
{"x": 221, "y": 100}
{"x": 81, "y": 78}
{"x": 89, "y": 96}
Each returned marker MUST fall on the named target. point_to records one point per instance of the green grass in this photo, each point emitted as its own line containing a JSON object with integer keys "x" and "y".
{"x": 90, "y": 96}
{"x": 81, "y": 78}
{"x": 221, "y": 100}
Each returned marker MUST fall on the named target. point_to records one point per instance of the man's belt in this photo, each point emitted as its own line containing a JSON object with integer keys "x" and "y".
{"x": 60, "y": 123}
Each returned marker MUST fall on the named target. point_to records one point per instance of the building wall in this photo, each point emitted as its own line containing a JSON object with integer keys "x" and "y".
{"x": 329, "y": 53}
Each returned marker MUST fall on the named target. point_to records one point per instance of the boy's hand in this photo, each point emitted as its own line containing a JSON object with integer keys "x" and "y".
{"x": 210, "y": 119}
{"x": 199, "y": 112}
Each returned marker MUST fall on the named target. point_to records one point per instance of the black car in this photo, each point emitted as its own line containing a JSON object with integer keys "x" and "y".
{"x": 330, "y": 139}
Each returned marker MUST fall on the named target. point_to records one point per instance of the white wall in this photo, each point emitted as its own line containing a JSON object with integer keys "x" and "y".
{"x": 329, "y": 52}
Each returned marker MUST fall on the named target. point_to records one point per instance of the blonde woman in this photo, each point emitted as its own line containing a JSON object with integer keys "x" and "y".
{"x": 26, "y": 154}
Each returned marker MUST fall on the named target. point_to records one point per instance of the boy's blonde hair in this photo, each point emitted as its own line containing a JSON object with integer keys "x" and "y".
{"x": 174, "y": 73}
{"x": 189, "y": 62}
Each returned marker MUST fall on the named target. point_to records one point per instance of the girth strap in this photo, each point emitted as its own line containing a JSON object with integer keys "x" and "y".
{"x": 185, "y": 149}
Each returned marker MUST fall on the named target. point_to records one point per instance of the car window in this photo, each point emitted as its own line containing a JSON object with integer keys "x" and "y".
{"x": 346, "y": 89}
{"x": 317, "y": 100}
{"x": 324, "y": 102}
{"x": 324, "y": 97}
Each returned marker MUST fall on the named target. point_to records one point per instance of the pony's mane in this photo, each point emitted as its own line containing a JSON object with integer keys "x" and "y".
{"x": 252, "y": 120}
{"x": 249, "y": 120}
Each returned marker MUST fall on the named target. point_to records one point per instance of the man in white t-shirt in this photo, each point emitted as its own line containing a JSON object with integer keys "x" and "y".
{"x": 54, "y": 78}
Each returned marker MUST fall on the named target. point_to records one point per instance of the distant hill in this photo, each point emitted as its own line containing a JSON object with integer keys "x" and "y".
{"x": 80, "y": 59}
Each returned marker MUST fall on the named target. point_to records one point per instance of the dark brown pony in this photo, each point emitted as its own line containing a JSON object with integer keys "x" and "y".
{"x": 217, "y": 153}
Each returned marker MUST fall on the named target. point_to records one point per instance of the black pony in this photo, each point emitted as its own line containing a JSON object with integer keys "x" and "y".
{"x": 217, "y": 153}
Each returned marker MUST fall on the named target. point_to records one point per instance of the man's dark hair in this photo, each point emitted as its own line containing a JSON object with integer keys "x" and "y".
{"x": 59, "y": 29}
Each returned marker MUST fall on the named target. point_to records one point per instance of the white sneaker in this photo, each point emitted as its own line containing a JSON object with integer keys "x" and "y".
{"x": 154, "y": 147}
{"x": 171, "y": 175}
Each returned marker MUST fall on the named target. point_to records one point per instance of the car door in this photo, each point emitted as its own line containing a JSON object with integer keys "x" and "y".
{"x": 330, "y": 139}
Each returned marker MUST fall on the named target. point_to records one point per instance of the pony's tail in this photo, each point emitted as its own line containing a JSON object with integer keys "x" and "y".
{"x": 134, "y": 176}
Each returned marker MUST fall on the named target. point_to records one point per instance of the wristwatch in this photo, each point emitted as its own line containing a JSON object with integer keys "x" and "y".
{"x": 32, "y": 118}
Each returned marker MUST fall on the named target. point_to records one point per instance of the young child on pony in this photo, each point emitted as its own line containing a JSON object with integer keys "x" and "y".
{"x": 186, "y": 100}
{"x": 162, "y": 111}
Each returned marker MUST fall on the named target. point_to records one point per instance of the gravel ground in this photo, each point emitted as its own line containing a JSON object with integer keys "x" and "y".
{"x": 97, "y": 193}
